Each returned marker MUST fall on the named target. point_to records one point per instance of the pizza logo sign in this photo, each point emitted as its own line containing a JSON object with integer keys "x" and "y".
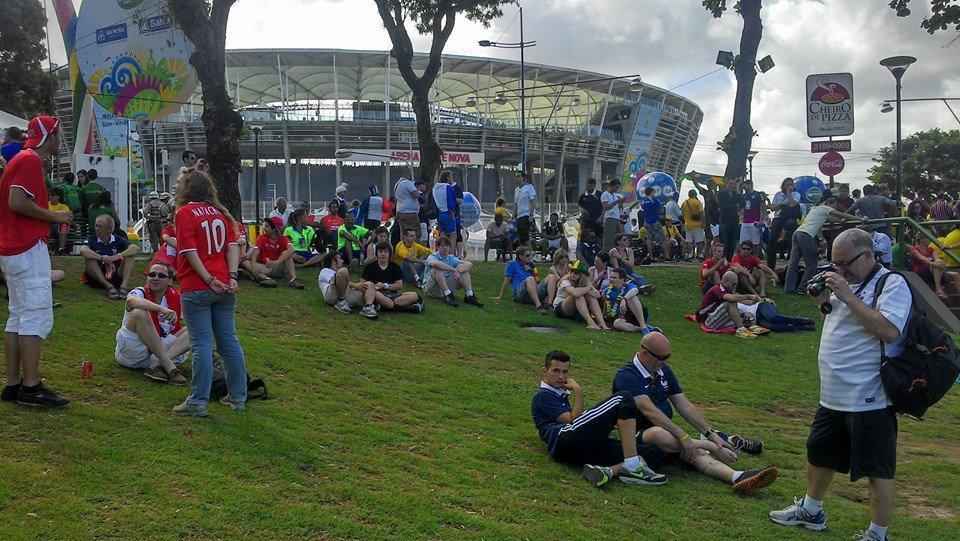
{"x": 830, "y": 93}
{"x": 830, "y": 102}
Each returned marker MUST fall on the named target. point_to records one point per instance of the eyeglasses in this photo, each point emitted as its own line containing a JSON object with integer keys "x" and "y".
{"x": 746, "y": 249}
{"x": 655, "y": 356}
{"x": 851, "y": 261}
{"x": 158, "y": 275}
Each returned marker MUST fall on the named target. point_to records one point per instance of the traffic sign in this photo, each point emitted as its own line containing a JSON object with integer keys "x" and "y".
{"x": 839, "y": 145}
{"x": 831, "y": 164}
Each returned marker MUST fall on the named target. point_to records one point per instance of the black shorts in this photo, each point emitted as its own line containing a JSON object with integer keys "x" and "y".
{"x": 587, "y": 439}
{"x": 523, "y": 230}
{"x": 861, "y": 443}
{"x": 558, "y": 311}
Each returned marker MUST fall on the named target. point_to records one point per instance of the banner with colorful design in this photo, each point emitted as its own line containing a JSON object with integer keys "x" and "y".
{"x": 646, "y": 116}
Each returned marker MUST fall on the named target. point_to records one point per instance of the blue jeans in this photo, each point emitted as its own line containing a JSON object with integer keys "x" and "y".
{"x": 210, "y": 317}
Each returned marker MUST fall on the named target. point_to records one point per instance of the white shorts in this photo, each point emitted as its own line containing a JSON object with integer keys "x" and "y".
{"x": 750, "y": 232}
{"x": 133, "y": 353}
{"x": 31, "y": 292}
{"x": 695, "y": 235}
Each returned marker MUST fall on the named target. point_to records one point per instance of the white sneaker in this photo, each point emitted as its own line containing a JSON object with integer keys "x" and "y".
{"x": 369, "y": 312}
{"x": 343, "y": 306}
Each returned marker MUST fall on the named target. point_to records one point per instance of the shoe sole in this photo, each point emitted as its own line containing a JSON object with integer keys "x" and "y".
{"x": 765, "y": 478}
{"x": 47, "y": 406}
{"x": 191, "y": 414}
{"x": 156, "y": 378}
{"x": 595, "y": 477}
{"x": 807, "y": 525}
{"x": 641, "y": 482}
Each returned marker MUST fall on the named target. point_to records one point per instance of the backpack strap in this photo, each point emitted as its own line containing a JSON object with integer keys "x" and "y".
{"x": 876, "y": 297}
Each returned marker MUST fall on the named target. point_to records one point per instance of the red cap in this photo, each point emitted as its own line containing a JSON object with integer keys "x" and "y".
{"x": 277, "y": 222}
{"x": 39, "y": 129}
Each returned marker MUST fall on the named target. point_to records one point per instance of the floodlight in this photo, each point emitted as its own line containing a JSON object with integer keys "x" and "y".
{"x": 766, "y": 64}
{"x": 725, "y": 59}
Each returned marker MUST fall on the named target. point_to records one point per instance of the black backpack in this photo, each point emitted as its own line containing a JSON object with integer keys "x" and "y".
{"x": 928, "y": 367}
{"x": 256, "y": 388}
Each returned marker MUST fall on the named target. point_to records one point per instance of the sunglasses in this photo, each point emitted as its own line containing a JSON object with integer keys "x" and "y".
{"x": 655, "y": 356}
{"x": 851, "y": 261}
{"x": 158, "y": 275}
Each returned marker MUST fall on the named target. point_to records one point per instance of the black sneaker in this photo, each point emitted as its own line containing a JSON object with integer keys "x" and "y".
{"x": 450, "y": 300}
{"x": 40, "y": 397}
{"x": 472, "y": 299}
{"x": 10, "y": 393}
{"x": 747, "y": 445}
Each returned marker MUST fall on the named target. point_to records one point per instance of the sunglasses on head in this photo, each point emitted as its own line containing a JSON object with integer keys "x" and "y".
{"x": 655, "y": 356}
{"x": 158, "y": 275}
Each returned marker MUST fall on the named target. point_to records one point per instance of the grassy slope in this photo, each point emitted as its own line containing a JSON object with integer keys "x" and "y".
{"x": 419, "y": 428}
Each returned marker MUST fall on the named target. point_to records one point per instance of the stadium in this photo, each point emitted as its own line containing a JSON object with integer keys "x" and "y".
{"x": 303, "y": 105}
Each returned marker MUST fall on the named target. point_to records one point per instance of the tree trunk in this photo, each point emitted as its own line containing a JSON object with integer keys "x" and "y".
{"x": 430, "y": 152}
{"x": 738, "y": 147}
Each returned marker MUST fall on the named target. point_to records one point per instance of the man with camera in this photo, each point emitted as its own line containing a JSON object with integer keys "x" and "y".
{"x": 855, "y": 429}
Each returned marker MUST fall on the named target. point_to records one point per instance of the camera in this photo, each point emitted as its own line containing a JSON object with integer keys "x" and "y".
{"x": 818, "y": 283}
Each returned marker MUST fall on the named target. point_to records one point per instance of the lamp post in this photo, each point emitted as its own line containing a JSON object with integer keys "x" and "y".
{"x": 750, "y": 156}
{"x": 256, "y": 169}
{"x": 523, "y": 88}
{"x": 343, "y": 154}
{"x": 898, "y": 66}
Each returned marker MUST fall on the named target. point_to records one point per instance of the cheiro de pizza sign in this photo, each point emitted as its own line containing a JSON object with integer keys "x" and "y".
{"x": 829, "y": 104}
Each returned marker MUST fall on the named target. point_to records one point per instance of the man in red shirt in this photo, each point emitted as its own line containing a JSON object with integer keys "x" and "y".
{"x": 151, "y": 337}
{"x": 722, "y": 308}
{"x": 713, "y": 267}
{"x": 753, "y": 272}
{"x": 273, "y": 255}
{"x": 24, "y": 228}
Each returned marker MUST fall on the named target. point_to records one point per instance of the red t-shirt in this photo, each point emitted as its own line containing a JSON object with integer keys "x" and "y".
{"x": 331, "y": 222}
{"x": 707, "y": 265}
{"x": 389, "y": 207}
{"x": 748, "y": 262}
{"x": 171, "y": 300}
{"x": 271, "y": 248}
{"x": 19, "y": 233}
{"x": 921, "y": 265}
{"x": 202, "y": 228}
{"x": 713, "y": 297}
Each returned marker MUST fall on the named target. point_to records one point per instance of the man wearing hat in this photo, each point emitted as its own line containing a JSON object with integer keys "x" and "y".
{"x": 24, "y": 228}
{"x": 153, "y": 212}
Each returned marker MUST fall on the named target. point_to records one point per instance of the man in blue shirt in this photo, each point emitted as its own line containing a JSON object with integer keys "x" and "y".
{"x": 108, "y": 259}
{"x": 579, "y": 437}
{"x": 520, "y": 274}
{"x": 651, "y": 382}
{"x": 448, "y": 273}
{"x": 652, "y": 209}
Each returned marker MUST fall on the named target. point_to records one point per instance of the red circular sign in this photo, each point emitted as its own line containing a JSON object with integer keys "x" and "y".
{"x": 831, "y": 164}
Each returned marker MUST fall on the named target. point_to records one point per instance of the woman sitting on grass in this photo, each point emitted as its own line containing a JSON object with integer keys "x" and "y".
{"x": 578, "y": 299}
{"x": 621, "y": 257}
{"x": 600, "y": 271}
{"x": 560, "y": 266}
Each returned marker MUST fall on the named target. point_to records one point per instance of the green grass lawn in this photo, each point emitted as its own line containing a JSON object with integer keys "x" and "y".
{"x": 418, "y": 427}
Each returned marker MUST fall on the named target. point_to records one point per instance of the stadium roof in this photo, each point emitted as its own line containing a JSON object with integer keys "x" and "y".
{"x": 327, "y": 74}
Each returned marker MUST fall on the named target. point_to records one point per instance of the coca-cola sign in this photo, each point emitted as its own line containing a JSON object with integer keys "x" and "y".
{"x": 829, "y": 105}
{"x": 831, "y": 164}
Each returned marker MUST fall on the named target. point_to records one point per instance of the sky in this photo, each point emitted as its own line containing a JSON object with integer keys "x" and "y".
{"x": 671, "y": 42}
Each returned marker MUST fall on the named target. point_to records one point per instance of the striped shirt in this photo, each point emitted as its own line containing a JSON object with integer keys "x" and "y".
{"x": 849, "y": 356}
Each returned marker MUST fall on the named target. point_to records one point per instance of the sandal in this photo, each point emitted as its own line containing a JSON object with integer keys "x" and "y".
{"x": 266, "y": 282}
{"x": 113, "y": 294}
{"x": 295, "y": 284}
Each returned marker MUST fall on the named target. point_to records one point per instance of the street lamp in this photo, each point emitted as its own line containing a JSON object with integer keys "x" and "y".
{"x": 750, "y": 156}
{"x": 256, "y": 168}
{"x": 345, "y": 154}
{"x": 898, "y": 66}
{"x": 523, "y": 89}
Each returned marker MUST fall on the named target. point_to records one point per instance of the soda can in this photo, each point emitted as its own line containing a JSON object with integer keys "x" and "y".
{"x": 86, "y": 369}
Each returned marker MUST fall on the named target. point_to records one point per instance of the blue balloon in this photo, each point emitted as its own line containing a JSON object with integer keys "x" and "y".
{"x": 810, "y": 189}
{"x": 664, "y": 187}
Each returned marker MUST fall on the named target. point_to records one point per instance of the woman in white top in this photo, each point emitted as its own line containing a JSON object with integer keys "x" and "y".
{"x": 578, "y": 299}
{"x": 599, "y": 272}
{"x": 548, "y": 287}
{"x": 334, "y": 280}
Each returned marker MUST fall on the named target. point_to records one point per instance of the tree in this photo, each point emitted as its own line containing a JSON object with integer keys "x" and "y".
{"x": 931, "y": 163}
{"x": 943, "y": 14}
{"x": 205, "y": 24}
{"x": 25, "y": 87}
{"x": 436, "y": 18}
{"x": 737, "y": 142}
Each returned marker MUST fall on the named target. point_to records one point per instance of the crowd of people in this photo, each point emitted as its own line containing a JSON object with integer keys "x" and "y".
{"x": 379, "y": 256}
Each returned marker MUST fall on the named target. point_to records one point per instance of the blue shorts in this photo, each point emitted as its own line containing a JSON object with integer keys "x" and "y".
{"x": 447, "y": 223}
{"x": 306, "y": 254}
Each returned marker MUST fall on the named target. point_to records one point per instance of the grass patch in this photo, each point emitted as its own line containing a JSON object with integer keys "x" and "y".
{"x": 418, "y": 427}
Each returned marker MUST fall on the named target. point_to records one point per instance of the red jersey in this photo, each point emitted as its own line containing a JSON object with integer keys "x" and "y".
{"x": 707, "y": 265}
{"x": 389, "y": 208}
{"x": 331, "y": 222}
{"x": 171, "y": 300}
{"x": 713, "y": 297}
{"x": 202, "y": 228}
{"x": 748, "y": 262}
{"x": 271, "y": 248}
{"x": 19, "y": 233}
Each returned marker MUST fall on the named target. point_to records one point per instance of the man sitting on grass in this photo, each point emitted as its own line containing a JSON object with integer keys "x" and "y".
{"x": 650, "y": 381}
{"x": 411, "y": 256}
{"x": 349, "y": 240}
{"x": 380, "y": 235}
{"x": 334, "y": 282}
{"x": 713, "y": 268}
{"x": 151, "y": 337}
{"x": 554, "y": 237}
{"x": 623, "y": 310}
{"x": 498, "y": 238}
{"x": 723, "y": 308}
{"x": 520, "y": 274}
{"x": 447, "y": 273}
{"x": 303, "y": 237}
{"x": 273, "y": 255}
{"x": 578, "y": 437}
{"x": 109, "y": 259}
{"x": 751, "y": 271}
{"x": 381, "y": 285}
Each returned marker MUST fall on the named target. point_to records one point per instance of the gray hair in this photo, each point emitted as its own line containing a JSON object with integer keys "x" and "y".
{"x": 106, "y": 219}
{"x": 858, "y": 239}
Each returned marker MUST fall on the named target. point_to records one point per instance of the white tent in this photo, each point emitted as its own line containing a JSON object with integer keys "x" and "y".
{"x": 7, "y": 120}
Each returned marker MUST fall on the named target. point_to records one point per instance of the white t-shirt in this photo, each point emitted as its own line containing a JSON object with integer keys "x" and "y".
{"x": 440, "y": 196}
{"x": 524, "y": 195}
{"x": 326, "y": 277}
{"x": 814, "y": 220}
{"x": 285, "y": 215}
{"x": 883, "y": 247}
{"x": 849, "y": 357}
{"x": 137, "y": 292}
{"x": 673, "y": 211}
{"x": 612, "y": 213}
{"x": 561, "y": 292}
{"x": 375, "y": 208}
{"x": 407, "y": 196}
{"x": 780, "y": 198}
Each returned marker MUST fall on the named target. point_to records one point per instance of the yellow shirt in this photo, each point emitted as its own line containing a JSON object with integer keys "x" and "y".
{"x": 692, "y": 207}
{"x": 401, "y": 252}
{"x": 672, "y": 231}
{"x": 59, "y": 207}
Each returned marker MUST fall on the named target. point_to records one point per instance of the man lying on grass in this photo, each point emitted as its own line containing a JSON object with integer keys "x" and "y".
{"x": 582, "y": 438}
{"x": 722, "y": 307}
{"x": 650, "y": 381}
